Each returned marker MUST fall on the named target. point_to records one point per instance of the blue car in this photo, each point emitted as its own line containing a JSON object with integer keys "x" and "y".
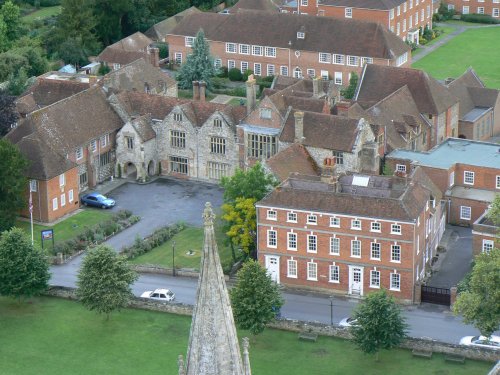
{"x": 97, "y": 200}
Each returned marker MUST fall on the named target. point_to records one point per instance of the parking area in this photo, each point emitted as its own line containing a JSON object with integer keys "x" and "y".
{"x": 162, "y": 202}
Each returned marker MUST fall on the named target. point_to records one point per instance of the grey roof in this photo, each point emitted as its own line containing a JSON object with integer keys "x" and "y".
{"x": 475, "y": 113}
{"x": 142, "y": 126}
{"x": 452, "y": 151}
{"x": 160, "y": 30}
{"x": 263, "y": 5}
{"x": 480, "y": 195}
{"x": 366, "y": 4}
{"x": 213, "y": 343}
{"x": 323, "y": 34}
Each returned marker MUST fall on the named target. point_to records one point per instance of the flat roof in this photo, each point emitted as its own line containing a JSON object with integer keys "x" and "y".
{"x": 452, "y": 151}
{"x": 475, "y": 113}
{"x": 480, "y": 195}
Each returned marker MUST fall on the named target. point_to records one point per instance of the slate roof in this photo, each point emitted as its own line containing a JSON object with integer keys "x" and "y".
{"x": 199, "y": 112}
{"x": 378, "y": 82}
{"x": 365, "y": 4}
{"x": 293, "y": 159}
{"x": 280, "y": 30}
{"x": 161, "y": 29}
{"x": 262, "y": 5}
{"x": 323, "y": 131}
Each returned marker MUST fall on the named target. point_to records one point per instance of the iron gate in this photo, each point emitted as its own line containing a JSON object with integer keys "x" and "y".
{"x": 439, "y": 296}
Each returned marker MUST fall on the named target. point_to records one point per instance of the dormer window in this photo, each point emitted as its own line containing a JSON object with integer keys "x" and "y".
{"x": 265, "y": 113}
{"x": 301, "y": 35}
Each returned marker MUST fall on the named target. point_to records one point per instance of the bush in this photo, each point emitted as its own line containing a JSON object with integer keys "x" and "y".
{"x": 163, "y": 47}
{"x": 124, "y": 214}
{"x": 445, "y": 13}
{"x": 412, "y": 45}
{"x": 238, "y": 91}
{"x": 134, "y": 219}
{"x": 222, "y": 72}
{"x": 479, "y": 18}
{"x": 103, "y": 69}
{"x": 235, "y": 74}
{"x": 218, "y": 82}
{"x": 247, "y": 73}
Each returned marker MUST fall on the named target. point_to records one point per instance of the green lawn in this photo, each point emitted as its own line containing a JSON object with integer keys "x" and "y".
{"x": 474, "y": 47}
{"x": 68, "y": 228}
{"x": 55, "y": 336}
{"x": 190, "y": 238}
{"x": 42, "y": 13}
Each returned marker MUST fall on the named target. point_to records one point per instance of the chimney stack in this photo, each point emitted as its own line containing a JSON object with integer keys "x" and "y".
{"x": 342, "y": 108}
{"x": 317, "y": 87}
{"x": 154, "y": 56}
{"x": 203, "y": 88}
{"x": 196, "y": 90}
{"x": 299, "y": 126}
{"x": 251, "y": 94}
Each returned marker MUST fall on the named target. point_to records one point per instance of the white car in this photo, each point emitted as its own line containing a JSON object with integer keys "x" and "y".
{"x": 481, "y": 341}
{"x": 347, "y": 322}
{"x": 163, "y": 295}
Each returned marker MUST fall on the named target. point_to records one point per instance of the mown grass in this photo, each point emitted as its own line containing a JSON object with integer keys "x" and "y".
{"x": 42, "y": 13}
{"x": 474, "y": 48}
{"x": 55, "y": 336}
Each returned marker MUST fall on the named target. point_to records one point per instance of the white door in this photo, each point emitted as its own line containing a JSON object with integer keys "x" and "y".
{"x": 356, "y": 280}
{"x": 273, "y": 267}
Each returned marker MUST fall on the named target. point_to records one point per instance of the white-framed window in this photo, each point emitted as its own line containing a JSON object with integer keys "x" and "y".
{"x": 217, "y": 170}
{"x": 304, "y": 3}
{"x": 451, "y": 182}
{"x": 497, "y": 182}
{"x": 338, "y": 156}
{"x": 356, "y": 224}
{"x": 104, "y": 140}
{"x": 398, "y": 12}
{"x": 54, "y": 204}
{"x": 391, "y": 14}
{"x": 495, "y": 12}
{"x": 93, "y": 145}
{"x": 270, "y": 70}
{"x": 257, "y": 69}
{"x": 353, "y": 60}
{"x": 312, "y": 219}
{"x": 270, "y": 51}
{"x": 480, "y": 10}
{"x": 231, "y": 64}
{"x": 404, "y": 8}
{"x": 33, "y": 186}
{"x": 301, "y": 35}
{"x": 428, "y": 11}
{"x": 416, "y": 18}
{"x": 116, "y": 66}
{"x": 338, "y": 59}
{"x": 375, "y": 251}
{"x": 401, "y": 168}
{"x": 311, "y": 73}
{"x": 348, "y": 13}
{"x": 335, "y": 222}
{"x": 62, "y": 180}
{"x": 292, "y": 268}
{"x": 411, "y": 4}
{"x": 257, "y": 50}
{"x": 284, "y": 70}
{"x": 465, "y": 212}
{"x": 395, "y": 229}
{"x": 292, "y": 241}
{"x": 496, "y": 1}
{"x": 325, "y": 76}
{"x": 312, "y": 271}
{"x": 334, "y": 246}
{"x": 338, "y": 78}
{"x": 395, "y": 281}
{"x": 291, "y": 217}
{"x": 70, "y": 196}
{"x": 334, "y": 274}
{"x": 404, "y": 25}
{"x": 272, "y": 215}
{"x": 79, "y": 153}
{"x": 465, "y": 9}
{"x": 487, "y": 246}
{"x": 366, "y": 60}
{"x": 178, "y": 58}
{"x": 245, "y": 49}
{"x": 63, "y": 200}
{"x": 265, "y": 113}
{"x": 325, "y": 58}
{"x": 402, "y": 59}
{"x": 188, "y": 42}
{"x": 272, "y": 240}
{"x": 244, "y": 66}
{"x": 356, "y": 249}
{"x": 422, "y": 14}
{"x": 395, "y": 253}
{"x": 312, "y": 243}
{"x": 177, "y": 138}
{"x": 468, "y": 177}
{"x": 374, "y": 279}
{"x": 217, "y": 63}
{"x": 375, "y": 226}
{"x": 231, "y": 48}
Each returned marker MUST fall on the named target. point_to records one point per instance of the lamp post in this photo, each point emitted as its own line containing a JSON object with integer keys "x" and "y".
{"x": 173, "y": 258}
{"x": 331, "y": 310}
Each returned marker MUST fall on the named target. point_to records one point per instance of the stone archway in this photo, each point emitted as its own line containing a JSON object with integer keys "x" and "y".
{"x": 130, "y": 170}
{"x": 151, "y": 168}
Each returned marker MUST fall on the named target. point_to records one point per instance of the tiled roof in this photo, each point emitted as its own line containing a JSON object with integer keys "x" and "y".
{"x": 293, "y": 159}
{"x": 263, "y": 5}
{"x": 142, "y": 126}
{"x": 118, "y": 56}
{"x": 378, "y": 82}
{"x": 160, "y": 30}
{"x": 135, "y": 42}
{"x": 322, "y": 34}
{"x": 364, "y": 4}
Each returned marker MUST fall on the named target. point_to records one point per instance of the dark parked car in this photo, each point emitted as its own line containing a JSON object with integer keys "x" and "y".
{"x": 97, "y": 200}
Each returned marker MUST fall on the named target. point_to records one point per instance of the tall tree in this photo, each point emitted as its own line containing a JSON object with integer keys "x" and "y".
{"x": 199, "y": 65}
{"x": 380, "y": 324}
{"x": 24, "y": 269}
{"x": 255, "y": 298}
{"x": 11, "y": 15}
{"x": 494, "y": 211}
{"x": 350, "y": 90}
{"x": 480, "y": 304}
{"x": 110, "y": 19}
{"x": 13, "y": 183}
{"x": 8, "y": 113}
{"x": 4, "y": 41}
{"x": 104, "y": 281}
{"x": 241, "y": 224}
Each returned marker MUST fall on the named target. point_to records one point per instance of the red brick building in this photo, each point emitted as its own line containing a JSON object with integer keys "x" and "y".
{"x": 488, "y": 7}
{"x": 467, "y": 173}
{"x": 404, "y": 18}
{"x": 290, "y": 44}
{"x": 352, "y": 235}
{"x": 485, "y": 235}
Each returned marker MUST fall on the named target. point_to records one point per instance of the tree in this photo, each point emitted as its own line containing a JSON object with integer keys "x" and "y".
{"x": 199, "y": 65}
{"x": 13, "y": 183}
{"x": 252, "y": 183}
{"x": 349, "y": 91}
{"x": 11, "y": 16}
{"x": 494, "y": 211}
{"x": 380, "y": 324}
{"x": 8, "y": 113}
{"x": 110, "y": 19}
{"x": 104, "y": 281}
{"x": 241, "y": 225}
{"x": 17, "y": 82}
{"x": 24, "y": 269}
{"x": 255, "y": 298}
{"x": 479, "y": 305}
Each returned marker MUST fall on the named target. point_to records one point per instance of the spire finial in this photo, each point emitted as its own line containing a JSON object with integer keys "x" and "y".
{"x": 208, "y": 214}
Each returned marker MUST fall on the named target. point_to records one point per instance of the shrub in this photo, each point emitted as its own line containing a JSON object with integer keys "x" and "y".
{"x": 222, "y": 72}
{"x": 479, "y": 18}
{"x": 218, "y": 82}
{"x": 238, "y": 91}
{"x": 247, "y": 73}
{"x": 133, "y": 219}
{"x": 103, "y": 69}
{"x": 235, "y": 74}
{"x": 124, "y": 214}
{"x": 445, "y": 13}
{"x": 412, "y": 45}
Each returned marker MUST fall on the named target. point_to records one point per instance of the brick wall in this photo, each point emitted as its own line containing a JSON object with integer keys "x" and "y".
{"x": 477, "y": 209}
{"x": 473, "y": 5}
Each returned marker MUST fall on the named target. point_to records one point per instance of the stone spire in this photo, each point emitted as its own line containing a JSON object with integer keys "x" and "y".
{"x": 213, "y": 344}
